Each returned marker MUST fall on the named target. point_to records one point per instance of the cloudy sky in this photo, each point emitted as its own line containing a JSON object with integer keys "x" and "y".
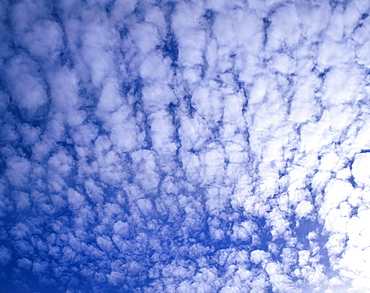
{"x": 184, "y": 146}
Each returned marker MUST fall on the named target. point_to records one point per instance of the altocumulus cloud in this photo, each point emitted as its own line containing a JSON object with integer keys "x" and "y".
{"x": 184, "y": 146}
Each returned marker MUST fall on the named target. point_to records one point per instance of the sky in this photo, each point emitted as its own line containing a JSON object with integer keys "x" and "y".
{"x": 184, "y": 146}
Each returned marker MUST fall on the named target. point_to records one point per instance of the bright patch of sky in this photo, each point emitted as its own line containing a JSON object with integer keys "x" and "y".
{"x": 184, "y": 146}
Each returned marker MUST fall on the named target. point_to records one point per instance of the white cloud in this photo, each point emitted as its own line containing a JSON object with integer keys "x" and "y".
{"x": 18, "y": 171}
{"x": 360, "y": 169}
{"x": 105, "y": 243}
{"x": 75, "y": 199}
{"x": 304, "y": 209}
{"x": 185, "y": 146}
{"x": 22, "y": 201}
{"x": 284, "y": 32}
{"x": 24, "y": 263}
{"x": 280, "y": 281}
{"x": 243, "y": 231}
{"x": 121, "y": 228}
{"x": 45, "y": 39}
{"x": 27, "y": 88}
{"x": 258, "y": 256}
{"x": 64, "y": 89}
{"x": 5, "y": 255}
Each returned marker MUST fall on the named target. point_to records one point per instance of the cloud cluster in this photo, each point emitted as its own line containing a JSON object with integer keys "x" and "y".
{"x": 179, "y": 146}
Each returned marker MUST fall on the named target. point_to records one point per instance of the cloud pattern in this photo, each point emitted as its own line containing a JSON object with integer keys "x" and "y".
{"x": 184, "y": 146}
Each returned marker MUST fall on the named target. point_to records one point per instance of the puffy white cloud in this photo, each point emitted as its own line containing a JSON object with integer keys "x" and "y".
{"x": 44, "y": 39}
{"x": 284, "y": 33}
{"x": 5, "y": 255}
{"x": 18, "y": 171}
{"x": 360, "y": 169}
{"x": 27, "y": 88}
{"x": 304, "y": 209}
{"x": 75, "y": 199}
{"x": 22, "y": 201}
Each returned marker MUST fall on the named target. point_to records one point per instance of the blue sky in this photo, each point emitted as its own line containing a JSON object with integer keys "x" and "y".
{"x": 184, "y": 146}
